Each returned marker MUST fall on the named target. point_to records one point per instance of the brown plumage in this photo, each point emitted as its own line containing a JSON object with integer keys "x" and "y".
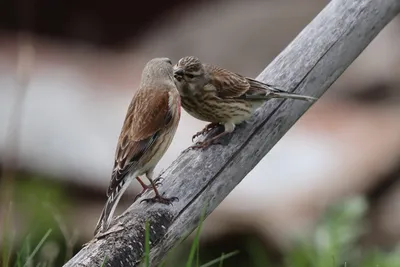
{"x": 149, "y": 127}
{"x": 213, "y": 94}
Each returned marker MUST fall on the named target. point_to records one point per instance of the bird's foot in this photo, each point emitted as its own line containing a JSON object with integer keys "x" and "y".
{"x": 201, "y": 145}
{"x": 145, "y": 188}
{"x": 158, "y": 180}
{"x": 206, "y": 129}
{"x": 211, "y": 141}
{"x": 160, "y": 199}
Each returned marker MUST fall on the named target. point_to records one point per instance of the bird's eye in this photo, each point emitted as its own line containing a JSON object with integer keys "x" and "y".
{"x": 190, "y": 76}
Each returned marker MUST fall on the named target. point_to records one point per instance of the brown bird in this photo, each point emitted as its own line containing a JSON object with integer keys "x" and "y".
{"x": 149, "y": 127}
{"x": 219, "y": 96}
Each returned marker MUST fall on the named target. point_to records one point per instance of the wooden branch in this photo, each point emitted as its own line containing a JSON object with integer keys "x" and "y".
{"x": 310, "y": 64}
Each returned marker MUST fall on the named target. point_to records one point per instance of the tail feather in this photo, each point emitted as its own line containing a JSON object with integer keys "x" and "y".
{"x": 291, "y": 95}
{"x": 109, "y": 208}
{"x": 263, "y": 91}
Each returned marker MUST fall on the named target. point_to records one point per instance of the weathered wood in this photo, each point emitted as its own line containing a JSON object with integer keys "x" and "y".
{"x": 310, "y": 64}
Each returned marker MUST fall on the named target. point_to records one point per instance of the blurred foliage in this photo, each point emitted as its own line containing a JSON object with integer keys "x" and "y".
{"x": 36, "y": 219}
{"x": 335, "y": 241}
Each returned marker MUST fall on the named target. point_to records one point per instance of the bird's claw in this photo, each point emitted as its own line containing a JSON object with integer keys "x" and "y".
{"x": 200, "y": 145}
{"x": 158, "y": 181}
{"x": 203, "y": 145}
{"x": 206, "y": 129}
{"x": 160, "y": 199}
{"x": 196, "y": 135}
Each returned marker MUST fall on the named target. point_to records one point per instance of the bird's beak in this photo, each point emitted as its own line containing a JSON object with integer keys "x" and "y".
{"x": 178, "y": 74}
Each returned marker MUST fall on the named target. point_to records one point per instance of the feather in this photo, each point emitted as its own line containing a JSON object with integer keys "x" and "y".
{"x": 148, "y": 113}
{"x": 262, "y": 91}
{"x": 227, "y": 83}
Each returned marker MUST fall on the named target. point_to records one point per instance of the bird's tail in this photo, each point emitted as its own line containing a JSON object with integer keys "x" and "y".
{"x": 263, "y": 91}
{"x": 109, "y": 208}
{"x": 276, "y": 93}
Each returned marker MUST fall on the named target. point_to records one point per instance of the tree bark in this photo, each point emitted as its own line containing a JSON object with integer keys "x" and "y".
{"x": 202, "y": 179}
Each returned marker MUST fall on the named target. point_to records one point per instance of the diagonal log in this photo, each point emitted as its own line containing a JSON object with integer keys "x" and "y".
{"x": 309, "y": 65}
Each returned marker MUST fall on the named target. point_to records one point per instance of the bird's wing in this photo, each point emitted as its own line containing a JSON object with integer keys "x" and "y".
{"x": 258, "y": 88}
{"x": 228, "y": 84}
{"x": 148, "y": 113}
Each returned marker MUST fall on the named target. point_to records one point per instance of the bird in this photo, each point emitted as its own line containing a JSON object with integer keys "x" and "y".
{"x": 220, "y": 96}
{"x": 148, "y": 129}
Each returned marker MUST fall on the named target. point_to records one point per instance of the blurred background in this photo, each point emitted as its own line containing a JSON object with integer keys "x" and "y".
{"x": 327, "y": 193}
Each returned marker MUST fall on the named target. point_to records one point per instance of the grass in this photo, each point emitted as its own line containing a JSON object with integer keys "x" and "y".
{"x": 25, "y": 256}
{"x": 220, "y": 260}
{"x": 7, "y": 238}
{"x": 44, "y": 233}
{"x": 147, "y": 244}
{"x": 29, "y": 259}
{"x": 194, "y": 249}
{"x": 195, "y": 244}
{"x": 103, "y": 264}
{"x": 333, "y": 244}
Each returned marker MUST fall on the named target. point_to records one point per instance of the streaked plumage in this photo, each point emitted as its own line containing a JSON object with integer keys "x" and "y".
{"x": 149, "y": 127}
{"x": 213, "y": 94}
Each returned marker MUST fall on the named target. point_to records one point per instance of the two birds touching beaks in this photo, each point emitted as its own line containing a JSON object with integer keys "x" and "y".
{"x": 206, "y": 92}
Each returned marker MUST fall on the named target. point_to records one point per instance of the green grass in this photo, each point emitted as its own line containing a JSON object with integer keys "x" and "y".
{"x": 25, "y": 257}
{"x": 104, "y": 262}
{"x": 335, "y": 241}
{"x": 333, "y": 244}
{"x": 194, "y": 249}
{"x": 44, "y": 231}
{"x": 220, "y": 260}
{"x": 147, "y": 245}
{"x": 29, "y": 259}
{"x": 8, "y": 239}
{"x": 195, "y": 244}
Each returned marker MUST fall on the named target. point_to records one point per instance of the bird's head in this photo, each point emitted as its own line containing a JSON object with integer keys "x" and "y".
{"x": 158, "y": 69}
{"x": 189, "y": 71}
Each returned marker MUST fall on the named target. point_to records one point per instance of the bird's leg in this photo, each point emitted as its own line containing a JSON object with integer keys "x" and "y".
{"x": 146, "y": 187}
{"x": 229, "y": 127}
{"x": 158, "y": 198}
{"x": 206, "y": 129}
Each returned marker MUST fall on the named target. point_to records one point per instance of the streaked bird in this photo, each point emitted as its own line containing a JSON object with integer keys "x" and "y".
{"x": 213, "y": 94}
{"x": 149, "y": 127}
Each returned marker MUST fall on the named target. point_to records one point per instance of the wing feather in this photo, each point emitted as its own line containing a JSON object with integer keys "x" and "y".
{"x": 228, "y": 84}
{"x": 147, "y": 114}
